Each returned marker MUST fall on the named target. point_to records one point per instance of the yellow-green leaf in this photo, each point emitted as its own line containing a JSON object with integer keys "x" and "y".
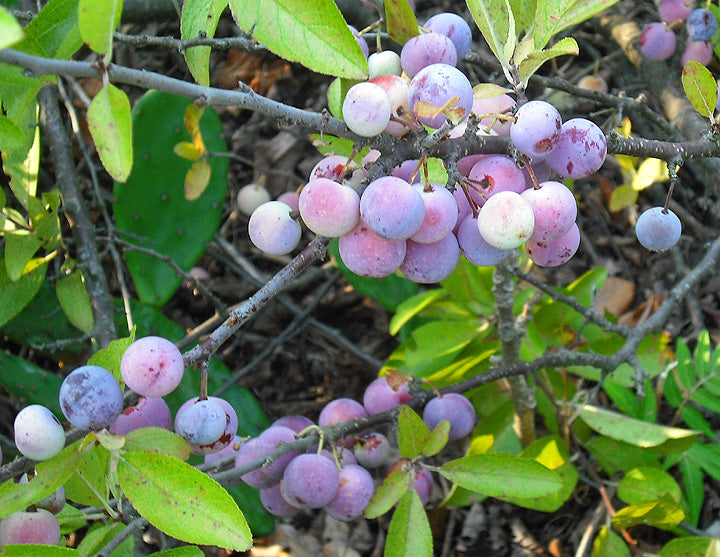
{"x": 650, "y": 171}
{"x": 97, "y": 20}
{"x": 489, "y": 90}
{"x": 700, "y": 87}
{"x": 401, "y": 22}
{"x": 622, "y": 197}
{"x": 75, "y": 301}
{"x": 532, "y": 62}
{"x": 197, "y": 179}
{"x": 553, "y": 16}
{"x": 182, "y": 501}
{"x": 188, "y": 151}
{"x": 661, "y": 514}
{"x": 111, "y": 129}
{"x": 10, "y": 30}
{"x": 496, "y": 22}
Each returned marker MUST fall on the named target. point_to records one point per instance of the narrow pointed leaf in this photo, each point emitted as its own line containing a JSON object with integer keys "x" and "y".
{"x": 200, "y": 17}
{"x": 409, "y": 532}
{"x": 700, "y": 87}
{"x": 311, "y": 32}
{"x": 182, "y": 501}
{"x": 111, "y": 129}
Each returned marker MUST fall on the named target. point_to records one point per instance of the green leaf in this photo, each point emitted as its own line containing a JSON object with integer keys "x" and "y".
{"x": 110, "y": 356}
{"x": 552, "y": 453}
{"x": 184, "y": 551}
{"x": 532, "y": 62}
{"x": 388, "y": 493}
{"x": 693, "y": 482}
{"x": 617, "y": 456}
{"x": 663, "y": 439}
{"x": 413, "y": 434}
{"x": 553, "y": 16}
{"x": 622, "y": 197}
{"x": 608, "y": 544}
{"x": 661, "y": 514}
{"x": 151, "y": 204}
{"x": 182, "y": 501}
{"x": 200, "y": 18}
{"x": 71, "y": 519}
{"x": 157, "y": 440}
{"x": 54, "y": 32}
{"x": 15, "y": 295}
{"x": 439, "y": 338}
{"x": 401, "y": 22}
{"x": 502, "y": 476}
{"x": 75, "y": 301}
{"x": 524, "y": 12}
{"x": 88, "y": 485}
{"x": 97, "y": 536}
{"x": 409, "y": 308}
{"x": 22, "y": 164}
{"x": 409, "y": 532}
{"x": 97, "y": 20}
{"x": 336, "y": 95}
{"x": 28, "y": 383}
{"x": 700, "y": 87}
{"x": 32, "y": 550}
{"x": 11, "y": 136}
{"x": 10, "y": 30}
{"x": 111, "y": 129}
{"x": 51, "y": 474}
{"x": 20, "y": 246}
{"x": 690, "y": 546}
{"x": 496, "y": 22}
{"x": 647, "y": 484}
{"x": 438, "y": 439}
{"x": 311, "y": 32}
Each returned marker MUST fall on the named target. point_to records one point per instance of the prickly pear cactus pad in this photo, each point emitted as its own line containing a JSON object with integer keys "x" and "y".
{"x": 151, "y": 206}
